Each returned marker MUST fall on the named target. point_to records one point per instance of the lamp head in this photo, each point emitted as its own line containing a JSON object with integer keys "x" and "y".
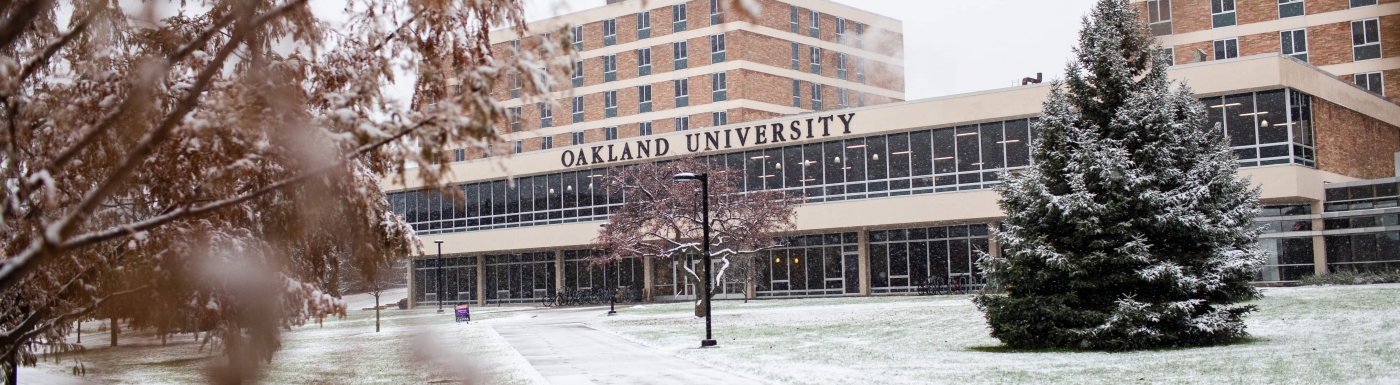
{"x": 685, "y": 176}
{"x": 438, "y": 241}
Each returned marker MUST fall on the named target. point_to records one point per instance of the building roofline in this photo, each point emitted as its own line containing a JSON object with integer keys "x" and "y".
{"x": 628, "y": 7}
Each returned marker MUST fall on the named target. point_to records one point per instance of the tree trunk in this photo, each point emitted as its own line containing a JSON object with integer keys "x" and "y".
{"x": 376, "y": 312}
{"x": 114, "y": 330}
{"x": 12, "y": 368}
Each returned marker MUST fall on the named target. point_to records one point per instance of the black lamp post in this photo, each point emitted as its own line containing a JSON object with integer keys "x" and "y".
{"x": 705, "y": 216}
{"x": 439, "y": 275}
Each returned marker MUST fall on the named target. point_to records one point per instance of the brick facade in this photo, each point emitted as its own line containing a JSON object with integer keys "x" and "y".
{"x": 1353, "y": 144}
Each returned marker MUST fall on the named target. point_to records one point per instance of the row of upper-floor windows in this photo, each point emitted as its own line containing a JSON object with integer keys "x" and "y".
{"x": 680, "y": 52}
{"x": 1365, "y": 43}
{"x": 1223, "y": 12}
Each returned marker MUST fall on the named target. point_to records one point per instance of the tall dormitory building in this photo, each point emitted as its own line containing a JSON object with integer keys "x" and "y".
{"x": 897, "y": 193}
{"x": 678, "y": 65}
{"x": 1356, "y": 40}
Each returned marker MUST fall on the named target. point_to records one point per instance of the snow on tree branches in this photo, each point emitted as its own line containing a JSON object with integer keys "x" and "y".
{"x": 207, "y": 169}
{"x": 662, "y": 217}
{"x": 1133, "y": 229}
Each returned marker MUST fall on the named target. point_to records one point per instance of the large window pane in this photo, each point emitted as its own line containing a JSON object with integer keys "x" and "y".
{"x": 992, "y": 154}
{"x": 835, "y": 167}
{"x": 1239, "y": 119}
{"x": 944, "y": 151}
{"x": 812, "y": 171}
{"x": 773, "y": 168}
{"x": 899, "y": 155}
{"x": 1017, "y": 143}
{"x": 879, "y": 266}
{"x": 855, "y": 160}
{"x": 876, "y": 158}
{"x": 753, "y": 170}
{"x": 969, "y": 153}
{"x": 792, "y": 166}
{"x": 1272, "y": 117}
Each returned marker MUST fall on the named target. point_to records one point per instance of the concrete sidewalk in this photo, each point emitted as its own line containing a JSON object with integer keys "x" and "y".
{"x": 566, "y": 352}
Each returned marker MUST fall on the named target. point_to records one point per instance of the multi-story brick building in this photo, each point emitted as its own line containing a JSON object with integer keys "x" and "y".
{"x": 650, "y": 67}
{"x": 895, "y": 195}
{"x": 1356, "y": 40}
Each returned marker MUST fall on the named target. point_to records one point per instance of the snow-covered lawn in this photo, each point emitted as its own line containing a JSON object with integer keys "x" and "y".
{"x": 1340, "y": 334}
{"x": 415, "y": 346}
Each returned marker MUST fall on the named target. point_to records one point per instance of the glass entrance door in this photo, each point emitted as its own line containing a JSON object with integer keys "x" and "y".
{"x": 852, "y": 272}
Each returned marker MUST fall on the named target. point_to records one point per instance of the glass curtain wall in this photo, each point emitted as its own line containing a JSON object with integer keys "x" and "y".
{"x": 1267, "y": 127}
{"x": 458, "y": 280}
{"x": 1287, "y": 240}
{"x": 811, "y": 265}
{"x": 903, "y": 259}
{"x": 580, "y": 274}
{"x": 1361, "y": 225}
{"x": 519, "y": 278}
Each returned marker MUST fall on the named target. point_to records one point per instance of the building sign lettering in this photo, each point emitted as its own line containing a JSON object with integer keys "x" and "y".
{"x": 757, "y": 135}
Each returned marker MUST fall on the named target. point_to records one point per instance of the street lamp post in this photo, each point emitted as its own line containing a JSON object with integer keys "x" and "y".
{"x": 705, "y": 217}
{"x": 439, "y": 275}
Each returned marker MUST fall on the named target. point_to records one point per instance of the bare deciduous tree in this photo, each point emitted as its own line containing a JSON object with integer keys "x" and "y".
{"x": 662, "y": 218}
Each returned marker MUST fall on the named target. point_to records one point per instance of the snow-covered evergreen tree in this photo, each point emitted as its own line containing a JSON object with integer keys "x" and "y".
{"x": 1133, "y": 229}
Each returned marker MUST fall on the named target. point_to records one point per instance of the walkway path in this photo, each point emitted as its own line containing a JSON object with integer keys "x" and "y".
{"x": 566, "y": 352}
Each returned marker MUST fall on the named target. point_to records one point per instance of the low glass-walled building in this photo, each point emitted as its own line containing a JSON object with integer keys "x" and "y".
{"x": 899, "y": 195}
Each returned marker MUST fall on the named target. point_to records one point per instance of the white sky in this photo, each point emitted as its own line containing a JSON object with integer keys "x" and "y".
{"x": 954, "y": 46}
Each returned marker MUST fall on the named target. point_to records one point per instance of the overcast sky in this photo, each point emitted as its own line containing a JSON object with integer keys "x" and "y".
{"x": 954, "y": 46}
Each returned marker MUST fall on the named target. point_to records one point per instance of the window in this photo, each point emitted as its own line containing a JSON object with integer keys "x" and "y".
{"x": 546, "y": 142}
{"x": 643, "y": 25}
{"x": 860, "y": 36}
{"x": 1169, "y": 54}
{"x": 1362, "y": 3}
{"x": 679, "y": 55}
{"x": 841, "y": 100}
{"x": 814, "y": 26}
{"x": 514, "y": 80}
{"x": 816, "y": 96}
{"x": 1159, "y": 17}
{"x": 1266, "y": 127}
{"x": 1294, "y": 43}
{"x": 609, "y": 133}
{"x": 609, "y": 32}
{"x": 515, "y": 46}
{"x": 792, "y": 10}
{"x": 816, "y": 60}
{"x": 578, "y": 109}
{"x": 518, "y": 147}
{"x": 644, "y": 62}
{"x": 795, "y": 61}
{"x": 720, "y": 118}
{"x": 860, "y": 99}
{"x": 459, "y": 154}
{"x": 1290, "y": 8}
{"x": 546, "y": 115}
{"x": 578, "y": 137}
{"x": 644, "y": 98}
{"x": 840, "y": 31}
{"x": 610, "y": 68}
{"x": 717, "y": 48}
{"x": 860, "y": 70}
{"x": 683, "y": 123}
{"x": 1371, "y": 81}
{"x": 578, "y": 74}
{"x": 715, "y": 12}
{"x": 797, "y": 93}
{"x": 1365, "y": 39}
{"x": 718, "y": 86}
{"x": 577, "y": 36}
{"x": 515, "y": 114}
{"x": 1222, "y": 13}
{"x": 644, "y": 128}
{"x": 610, "y": 104}
{"x": 678, "y": 17}
{"x": 841, "y": 66}
{"x": 682, "y": 87}
{"x": 1226, "y": 49}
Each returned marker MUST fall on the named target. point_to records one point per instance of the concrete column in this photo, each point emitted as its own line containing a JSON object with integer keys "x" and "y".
{"x": 992, "y": 247}
{"x": 558, "y": 272}
{"x": 1319, "y": 243}
{"x": 480, "y": 280}
{"x": 410, "y": 282}
{"x": 864, "y": 250}
{"x": 648, "y": 278}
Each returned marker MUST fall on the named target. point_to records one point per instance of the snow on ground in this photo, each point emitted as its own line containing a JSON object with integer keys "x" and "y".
{"x": 415, "y": 346}
{"x": 1339, "y": 334}
{"x": 390, "y": 297}
{"x": 1300, "y": 335}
